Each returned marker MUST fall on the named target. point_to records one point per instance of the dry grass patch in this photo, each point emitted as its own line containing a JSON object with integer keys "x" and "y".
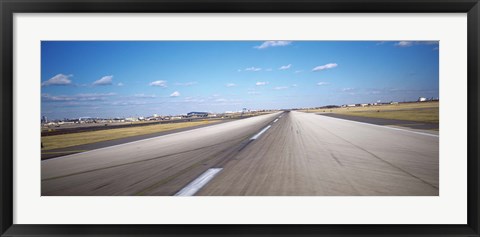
{"x": 427, "y": 112}
{"x": 81, "y": 138}
{"x": 423, "y": 115}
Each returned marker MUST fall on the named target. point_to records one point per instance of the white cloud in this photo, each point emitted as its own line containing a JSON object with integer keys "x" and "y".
{"x": 294, "y": 85}
{"x": 104, "y": 81}
{"x": 322, "y": 83}
{"x": 128, "y": 103}
{"x": 48, "y": 97}
{"x": 120, "y": 84}
{"x": 273, "y": 43}
{"x": 261, "y": 83}
{"x": 175, "y": 94}
{"x": 350, "y": 91}
{"x": 324, "y": 67}
{"x": 159, "y": 83}
{"x": 144, "y": 96}
{"x": 230, "y": 85}
{"x": 58, "y": 80}
{"x": 412, "y": 43}
{"x": 253, "y": 93}
{"x": 190, "y": 83}
{"x": 95, "y": 94}
{"x": 298, "y": 71}
{"x": 192, "y": 99}
{"x": 268, "y": 69}
{"x": 280, "y": 88}
{"x": 77, "y": 97}
{"x": 253, "y": 69}
{"x": 428, "y": 42}
{"x": 222, "y": 101}
{"x": 404, "y": 44}
{"x": 285, "y": 67}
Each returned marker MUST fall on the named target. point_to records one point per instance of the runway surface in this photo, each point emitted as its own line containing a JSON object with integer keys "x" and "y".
{"x": 49, "y": 154}
{"x": 289, "y": 153}
{"x": 382, "y": 121}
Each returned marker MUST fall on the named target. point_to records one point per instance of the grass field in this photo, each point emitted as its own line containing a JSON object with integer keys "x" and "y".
{"x": 75, "y": 139}
{"x": 427, "y": 112}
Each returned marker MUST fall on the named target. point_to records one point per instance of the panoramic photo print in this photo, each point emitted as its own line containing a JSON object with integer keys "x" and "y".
{"x": 239, "y": 118}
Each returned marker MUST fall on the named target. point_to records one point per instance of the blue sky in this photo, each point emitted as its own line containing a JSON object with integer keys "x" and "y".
{"x": 141, "y": 78}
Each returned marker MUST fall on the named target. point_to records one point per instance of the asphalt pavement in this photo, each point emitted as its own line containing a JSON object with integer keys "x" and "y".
{"x": 49, "y": 154}
{"x": 285, "y": 153}
{"x": 391, "y": 122}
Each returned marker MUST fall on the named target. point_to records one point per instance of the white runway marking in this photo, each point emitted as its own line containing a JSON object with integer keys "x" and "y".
{"x": 275, "y": 120}
{"x": 198, "y": 183}
{"x": 260, "y": 133}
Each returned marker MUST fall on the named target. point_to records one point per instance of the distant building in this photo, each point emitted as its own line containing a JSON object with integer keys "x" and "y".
{"x": 85, "y": 120}
{"x": 132, "y": 119}
{"x": 422, "y": 99}
{"x": 197, "y": 114}
{"x": 44, "y": 119}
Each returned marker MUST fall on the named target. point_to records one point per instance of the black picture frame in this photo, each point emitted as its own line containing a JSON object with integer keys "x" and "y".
{"x": 9, "y": 7}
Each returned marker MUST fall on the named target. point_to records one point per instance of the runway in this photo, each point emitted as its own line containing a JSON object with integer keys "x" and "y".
{"x": 289, "y": 153}
{"x": 49, "y": 154}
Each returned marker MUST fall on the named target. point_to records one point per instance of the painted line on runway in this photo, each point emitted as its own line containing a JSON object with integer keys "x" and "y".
{"x": 260, "y": 133}
{"x": 381, "y": 126}
{"x": 275, "y": 120}
{"x": 198, "y": 183}
{"x": 255, "y": 136}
